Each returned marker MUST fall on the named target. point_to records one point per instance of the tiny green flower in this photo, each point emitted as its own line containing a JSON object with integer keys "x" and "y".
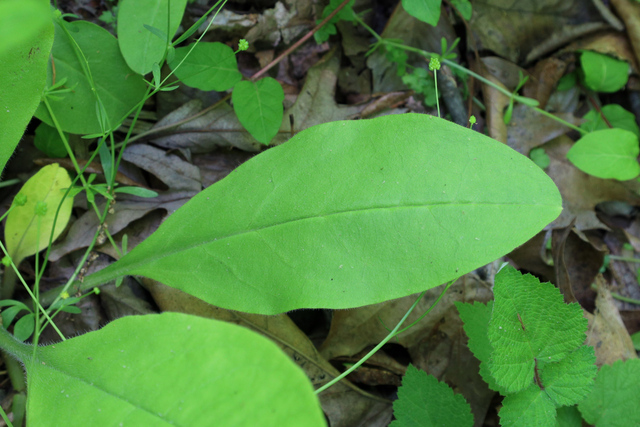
{"x": 6, "y": 261}
{"x": 434, "y": 64}
{"x": 64, "y": 295}
{"x": 41, "y": 208}
{"x": 243, "y": 45}
{"x": 96, "y": 291}
{"x": 472, "y": 120}
{"x": 20, "y": 199}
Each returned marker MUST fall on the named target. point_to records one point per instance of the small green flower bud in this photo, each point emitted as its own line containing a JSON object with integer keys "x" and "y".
{"x": 434, "y": 64}
{"x": 64, "y": 295}
{"x": 6, "y": 261}
{"x": 472, "y": 120}
{"x": 41, "y": 208}
{"x": 243, "y": 45}
{"x": 20, "y": 199}
{"x": 96, "y": 291}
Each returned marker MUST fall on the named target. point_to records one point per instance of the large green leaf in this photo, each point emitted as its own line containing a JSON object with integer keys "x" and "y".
{"x": 140, "y": 47}
{"x": 23, "y": 71}
{"x": 167, "y": 369}
{"x": 347, "y": 214}
{"x": 425, "y": 10}
{"x": 118, "y": 86}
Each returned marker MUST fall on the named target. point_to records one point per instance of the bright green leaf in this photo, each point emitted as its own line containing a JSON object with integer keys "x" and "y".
{"x": 24, "y": 68}
{"x": 424, "y": 401}
{"x": 21, "y": 229}
{"x": 345, "y": 14}
{"x": 48, "y": 141}
{"x": 167, "y": 369}
{"x": 118, "y": 87}
{"x": 137, "y": 191}
{"x": 607, "y": 154}
{"x": 524, "y": 334}
{"x": 531, "y": 407}
{"x": 476, "y": 319}
{"x": 603, "y": 73}
{"x": 24, "y": 327}
{"x": 10, "y": 313}
{"x": 464, "y": 7}
{"x": 259, "y": 107}
{"x": 140, "y": 46}
{"x": 20, "y": 22}
{"x": 614, "y": 399}
{"x": 636, "y": 340}
{"x": 570, "y": 380}
{"x": 346, "y": 214}
{"x": 209, "y": 66}
{"x": 425, "y": 10}
{"x": 617, "y": 116}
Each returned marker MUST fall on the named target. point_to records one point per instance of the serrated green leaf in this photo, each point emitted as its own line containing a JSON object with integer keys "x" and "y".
{"x": 141, "y": 47}
{"x": 48, "y": 141}
{"x": 531, "y": 407}
{"x": 607, "y": 154}
{"x": 570, "y": 380}
{"x": 530, "y": 325}
{"x": 617, "y": 116}
{"x": 613, "y": 402}
{"x": 259, "y": 107}
{"x": 210, "y": 66}
{"x": 21, "y": 229}
{"x": 23, "y": 73}
{"x": 603, "y": 73}
{"x": 424, "y": 401}
{"x": 167, "y": 369}
{"x": 425, "y": 10}
{"x": 476, "y": 319}
{"x": 342, "y": 216}
{"x": 118, "y": 87}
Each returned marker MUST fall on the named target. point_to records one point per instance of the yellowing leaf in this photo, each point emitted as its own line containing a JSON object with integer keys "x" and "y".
{"x": 21, "y": 230}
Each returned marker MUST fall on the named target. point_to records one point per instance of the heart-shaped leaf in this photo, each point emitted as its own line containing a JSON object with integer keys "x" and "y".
{"x": 259, "y": 107}
{"x": 208, "y": 66}
{"x": 166, "y": 369}
{"x": 347, "y": 214}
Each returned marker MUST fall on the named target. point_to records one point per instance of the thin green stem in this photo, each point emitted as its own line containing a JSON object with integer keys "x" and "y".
{"x": 394, "y": 332}
{"x": 5, "y": 418}
{"x": 435, "y": 79}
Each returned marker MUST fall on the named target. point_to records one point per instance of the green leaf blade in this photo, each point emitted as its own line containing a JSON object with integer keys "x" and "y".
{"x": 607, "y": 154}
{"x": 570, "y": 380}
{"x": 603, "y": 73}
{"x": 119, "y": 88}
{"x": 613, "y": 401}
{"x": 209, "y": 66}
{"x": 259, "y": 107}
{"x": 315, "y": 223}
{"x": 169, "y": 369}
{"x": 139, "y": 46}
{"x": 617, "y": 116}
{"x": 425, "y": 401}
{"x": 523, "y": 333}
{"x": 425, "y": 10}
{"x": 24, "y": 58}
{"x": 531, "y": 407}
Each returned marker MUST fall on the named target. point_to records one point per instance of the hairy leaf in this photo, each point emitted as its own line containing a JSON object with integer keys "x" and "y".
{"x": 424, "y": 401}
{"x": 347, "y": 214}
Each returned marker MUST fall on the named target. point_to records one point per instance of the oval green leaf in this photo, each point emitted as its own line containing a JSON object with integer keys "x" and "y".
{"x": 347, "y": 214}
{"x": 24, "y": 69}
{"x": 607, "y": 154}
{"x": 119, "y": 88}
{"x": 143, "y": 46}
{"x": 603, "y": 73}
{"x": 167, "y": 369}
{"x": 48, "y": 141}
{"x": 21, "y": 230}
{"x": 617, "y": 116}
{"x": 425, "y": 10}
{"x": 258, "y": 106}
{"x": 209, "y": 66}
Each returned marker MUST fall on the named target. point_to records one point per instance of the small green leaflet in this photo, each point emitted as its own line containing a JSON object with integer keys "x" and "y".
{"x": 617, "y": 116}
{"x": 603, "y": 73}
{"x": 424, "y": 401}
